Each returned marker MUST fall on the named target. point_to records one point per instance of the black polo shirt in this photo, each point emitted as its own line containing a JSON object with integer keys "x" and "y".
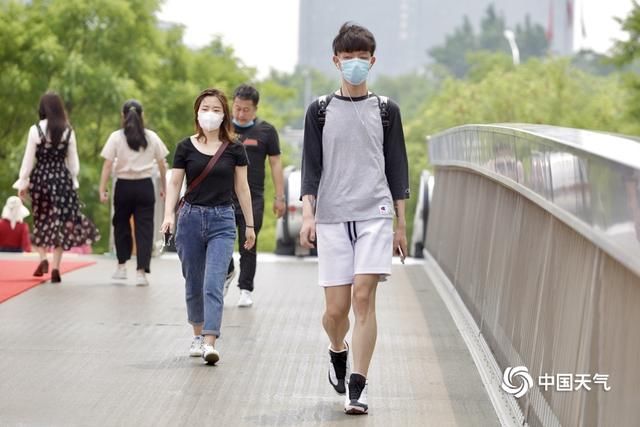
{"x": 260, "y": 140}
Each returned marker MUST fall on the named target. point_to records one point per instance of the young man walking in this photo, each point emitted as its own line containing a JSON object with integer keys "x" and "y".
{"x": 354, "y": 184}
{"x": 260, "y": 140}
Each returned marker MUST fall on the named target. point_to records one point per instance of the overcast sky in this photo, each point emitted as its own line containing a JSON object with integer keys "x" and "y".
{"x": 264, "y": 34}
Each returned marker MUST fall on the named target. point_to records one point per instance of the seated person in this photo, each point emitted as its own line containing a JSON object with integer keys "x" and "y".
{"x": 14, "y": 233}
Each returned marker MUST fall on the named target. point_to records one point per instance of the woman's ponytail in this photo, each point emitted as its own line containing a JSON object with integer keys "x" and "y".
{"x": 133, "y": 125}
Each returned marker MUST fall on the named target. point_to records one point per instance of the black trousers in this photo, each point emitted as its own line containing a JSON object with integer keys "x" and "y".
{"x": 248, "y": 257}
{"x": 137, "y": 198}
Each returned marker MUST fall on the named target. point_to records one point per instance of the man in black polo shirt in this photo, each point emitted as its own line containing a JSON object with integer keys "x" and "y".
{"x": 260, "y": 139}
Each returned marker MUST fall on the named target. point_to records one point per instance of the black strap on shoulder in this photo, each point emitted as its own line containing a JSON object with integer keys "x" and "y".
{"x": 43, "y": 137}
{"x": 41, "y": 134}
{"x": 207, "y": 168}
{"x": 383, "y": 105}
{"x": 68, "y": 138}
{"x": 323, "y": 102}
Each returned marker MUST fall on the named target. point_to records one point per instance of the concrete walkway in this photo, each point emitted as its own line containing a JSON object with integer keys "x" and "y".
{"x": 94, "y": 352}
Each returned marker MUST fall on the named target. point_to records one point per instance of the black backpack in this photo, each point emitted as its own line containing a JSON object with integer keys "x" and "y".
{"x": 383, "y": 105}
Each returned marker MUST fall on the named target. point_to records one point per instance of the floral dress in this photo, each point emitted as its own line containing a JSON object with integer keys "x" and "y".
{"x": 57, "y": 219}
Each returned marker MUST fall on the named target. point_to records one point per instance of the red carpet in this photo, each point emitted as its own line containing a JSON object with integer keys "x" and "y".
{"x": 17, "y": 276}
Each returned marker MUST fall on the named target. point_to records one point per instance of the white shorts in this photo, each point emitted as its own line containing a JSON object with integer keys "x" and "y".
{"x": 355, "y": 247}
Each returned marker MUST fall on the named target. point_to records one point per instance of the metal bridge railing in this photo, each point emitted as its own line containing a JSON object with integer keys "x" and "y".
{"x": 538, "y": 230}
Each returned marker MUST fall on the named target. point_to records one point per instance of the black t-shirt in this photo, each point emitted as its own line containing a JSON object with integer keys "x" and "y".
{"x": 217, "y": 188}
{"x": 260, "y": 140}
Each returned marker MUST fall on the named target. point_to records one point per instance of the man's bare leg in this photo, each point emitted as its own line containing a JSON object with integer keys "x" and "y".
{"x": 336, "y": 315}
{"x": 365, "y": 330}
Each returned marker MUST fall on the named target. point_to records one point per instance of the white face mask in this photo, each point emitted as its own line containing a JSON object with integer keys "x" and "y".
{"x": 209, "y": 120}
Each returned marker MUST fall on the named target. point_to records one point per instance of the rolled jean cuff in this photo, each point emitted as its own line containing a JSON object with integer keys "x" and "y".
{"x": 211, "y": 332}
{"x": 200, "y": 323}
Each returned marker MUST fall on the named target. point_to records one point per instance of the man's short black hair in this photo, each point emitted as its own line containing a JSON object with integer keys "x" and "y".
{"x": 247, "y": 92}
{"x": 353, "y": 38}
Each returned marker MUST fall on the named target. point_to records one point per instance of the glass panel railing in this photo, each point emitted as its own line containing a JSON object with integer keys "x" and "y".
{"x": 590, "y": 180}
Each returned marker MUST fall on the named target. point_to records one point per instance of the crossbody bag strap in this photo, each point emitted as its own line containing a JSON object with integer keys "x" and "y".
{"x": 207, "y": 168}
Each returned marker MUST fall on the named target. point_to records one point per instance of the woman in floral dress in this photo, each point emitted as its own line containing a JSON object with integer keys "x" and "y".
{"x": 49, "y": 173}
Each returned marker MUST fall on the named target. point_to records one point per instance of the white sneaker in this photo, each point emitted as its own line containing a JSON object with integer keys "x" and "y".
{"x": 356, "y": 400}
{"x": 141, "y": 279}
{"x": 196, "y": 347}
{"x": 120, "y": 273}
{"x": 210, "y": 354}
{"x": 245, "y": 299}
{"x": 227, "y": 282}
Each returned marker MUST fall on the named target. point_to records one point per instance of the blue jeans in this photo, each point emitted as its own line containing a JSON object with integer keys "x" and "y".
{"x": 204, "y": 240}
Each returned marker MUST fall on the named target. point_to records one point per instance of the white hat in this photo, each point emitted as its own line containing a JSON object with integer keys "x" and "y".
{"x": 14, "y": 211}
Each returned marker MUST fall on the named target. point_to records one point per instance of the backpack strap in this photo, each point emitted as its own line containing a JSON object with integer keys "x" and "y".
{"x": 323, "y": 103}
{"x": 383, "y": 105}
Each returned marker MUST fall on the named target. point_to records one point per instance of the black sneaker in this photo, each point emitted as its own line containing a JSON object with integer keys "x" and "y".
{"x": 338, "y": 369}
{"x": 356, "y": 401}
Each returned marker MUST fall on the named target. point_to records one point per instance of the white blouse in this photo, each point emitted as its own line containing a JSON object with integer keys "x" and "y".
{"x": 131, "y": 164}
{"x": 29, "y": 159}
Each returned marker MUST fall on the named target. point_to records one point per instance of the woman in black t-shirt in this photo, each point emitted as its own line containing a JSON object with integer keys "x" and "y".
{"x": 206, "y": 222}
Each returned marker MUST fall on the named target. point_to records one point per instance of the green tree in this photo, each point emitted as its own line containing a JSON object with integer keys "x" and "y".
{"x": 549, "y": 92}
{"x": 290, "y": 93}
{"x": 411, "y": 91}
{"x": 454, "y": 53}
{"x": 97, "y": 54}
{"x": 531, "y": 39}
{"x": 491, "y": 36}
{"x": 626, "y": 53}
{"x": 546, "y": 92}
{"x": 593, "y": 62}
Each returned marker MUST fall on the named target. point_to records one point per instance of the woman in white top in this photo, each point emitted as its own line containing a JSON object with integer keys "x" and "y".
{"x": 134, "y": 150}
{"x": 49, "y": 173}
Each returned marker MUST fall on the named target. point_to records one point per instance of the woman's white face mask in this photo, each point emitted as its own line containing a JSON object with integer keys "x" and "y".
{"x": 210, "y": 120}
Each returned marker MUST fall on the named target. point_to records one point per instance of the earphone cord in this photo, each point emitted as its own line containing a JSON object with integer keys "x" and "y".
{"x": 366, "y": 129}
{"x": 356, "y": 110}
